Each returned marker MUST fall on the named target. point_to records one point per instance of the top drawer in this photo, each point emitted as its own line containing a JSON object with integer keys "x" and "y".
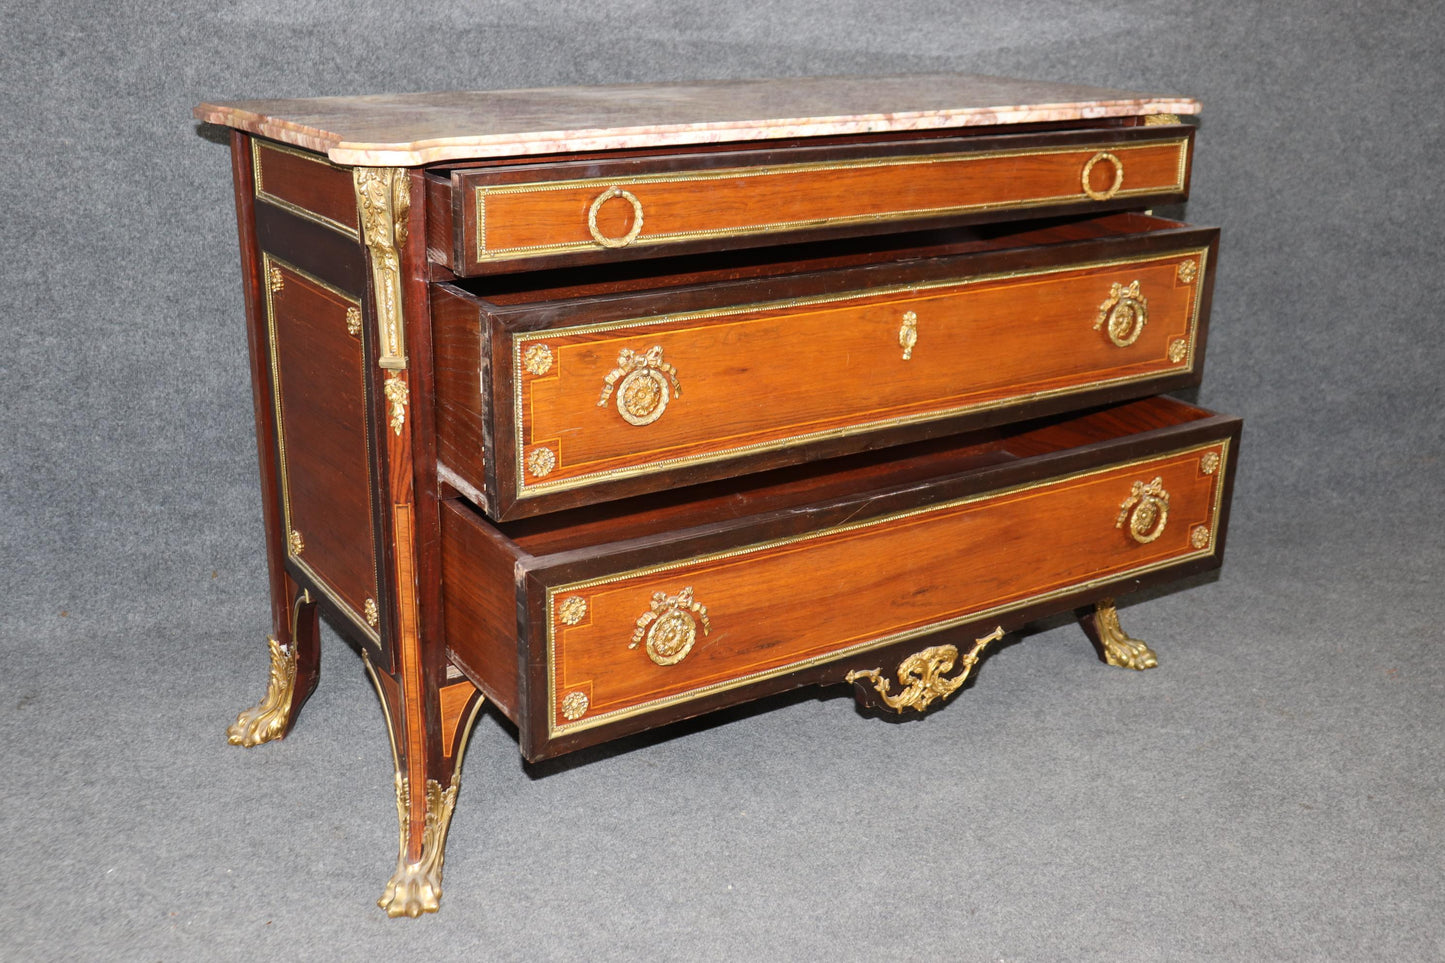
{"x": 543, "y": 215}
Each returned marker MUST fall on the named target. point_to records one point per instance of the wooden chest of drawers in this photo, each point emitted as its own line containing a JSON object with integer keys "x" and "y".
{"x": 617, "y": 406}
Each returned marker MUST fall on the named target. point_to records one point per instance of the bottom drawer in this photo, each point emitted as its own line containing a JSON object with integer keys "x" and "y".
{"x": 590, "y": 624}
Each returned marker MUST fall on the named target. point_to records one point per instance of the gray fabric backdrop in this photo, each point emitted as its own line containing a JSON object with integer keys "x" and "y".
{"x": 1272, "y": 791}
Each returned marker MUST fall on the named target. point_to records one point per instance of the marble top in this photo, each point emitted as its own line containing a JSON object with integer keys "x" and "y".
{"x": 404, "y": 130}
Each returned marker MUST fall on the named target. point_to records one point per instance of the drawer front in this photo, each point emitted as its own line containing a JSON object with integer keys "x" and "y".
{"x": 642, "y": 640}
{"x": 597, "y": 403}
{"x": 575, "y": 213}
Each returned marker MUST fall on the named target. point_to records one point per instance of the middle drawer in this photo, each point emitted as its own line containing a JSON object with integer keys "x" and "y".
{"x": 552, "y": 398}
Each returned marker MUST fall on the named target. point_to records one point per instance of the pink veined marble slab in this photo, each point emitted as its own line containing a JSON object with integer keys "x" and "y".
{"x": 405, "y": 130}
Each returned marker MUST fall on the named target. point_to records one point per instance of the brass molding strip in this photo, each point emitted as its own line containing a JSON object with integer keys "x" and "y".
{"x": 385, "y": 710}
{"x": 465, "y": 726}
{"x": 554, "y": 730}
{"x": 259, "y": 145}
{"x": 529, "y": 487}
{"x": 539, "y": 250}
{"x": 270, "y": 262}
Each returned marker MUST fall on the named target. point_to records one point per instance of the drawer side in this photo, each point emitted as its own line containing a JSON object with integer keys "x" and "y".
{"x": 479, "y": 595}
{"x": 461, "y": 361}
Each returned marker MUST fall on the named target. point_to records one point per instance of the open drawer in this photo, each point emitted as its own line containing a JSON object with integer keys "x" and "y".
{"x": 543, "y": 214}
{"x": 556, "y": 397}
{"x": 590, "y": 624}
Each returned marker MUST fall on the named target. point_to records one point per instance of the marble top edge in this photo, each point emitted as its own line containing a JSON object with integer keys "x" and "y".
{"x": 404, "y": 130}
{"x": 614, "y": 138}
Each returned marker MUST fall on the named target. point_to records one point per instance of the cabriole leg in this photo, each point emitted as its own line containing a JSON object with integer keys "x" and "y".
{"x": 1101, "y": 625}
{"x": 432, "y": 763}
{"x": 295, "y": 665}
{"x": 428, "y": 714}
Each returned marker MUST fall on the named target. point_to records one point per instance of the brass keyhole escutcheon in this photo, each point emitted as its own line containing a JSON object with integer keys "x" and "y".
{"x": 1123, "y": 314}
{"x": 603, "y": 198}
{"x": 1145, "y": 511}
{"x": 1103, "y": 157}
{"x": 908, "y": 334}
